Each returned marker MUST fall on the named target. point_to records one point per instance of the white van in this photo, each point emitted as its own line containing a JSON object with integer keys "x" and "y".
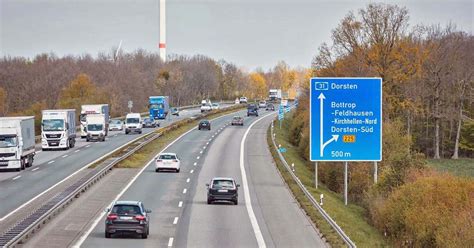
{"x": 133, "y": 123}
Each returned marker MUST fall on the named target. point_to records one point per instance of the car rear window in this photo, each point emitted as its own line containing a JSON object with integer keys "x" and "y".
{"x": 167, "y": 156}
{"x": 204, "y": 122}
{"x": 237, "y": 118}
{"x": 126, "y": 210}
{"x": 222, "y": 184}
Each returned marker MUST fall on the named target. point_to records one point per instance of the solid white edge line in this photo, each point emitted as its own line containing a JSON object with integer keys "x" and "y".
{"x": 96, "y": 221}
{"x": 170, "y": 242}
{"x": 248, "y": 203}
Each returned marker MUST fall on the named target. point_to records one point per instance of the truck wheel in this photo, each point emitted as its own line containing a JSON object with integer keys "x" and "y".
{"x": 30, "y": 161}
{"x": 68, "y": 145}
{"x": 87, "y": 139}
{"x": 22, "y": 162}
{"x": 73, "y": 144}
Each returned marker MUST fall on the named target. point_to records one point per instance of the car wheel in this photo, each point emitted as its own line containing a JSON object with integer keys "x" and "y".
{"x": 199, "y": 128}
{"x": 107, "y": 235}
{"x": 87, "y": 139}
{"x": 236, "y": 202}
{"x": 144, "y": 235}
{"x": 157, "y": 170}
{"x": 177, "y": 170}
{"x": 209, "y": 201}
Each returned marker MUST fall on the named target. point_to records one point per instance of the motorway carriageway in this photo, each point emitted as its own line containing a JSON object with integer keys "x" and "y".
{"x": 51, "y": 167}
{"x": 267, "y": 214}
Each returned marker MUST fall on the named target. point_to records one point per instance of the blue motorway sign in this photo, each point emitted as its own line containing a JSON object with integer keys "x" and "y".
{"x": 282, "y": 150}
{"x": 281, "y": 113}
{"x": 346, "y": 119}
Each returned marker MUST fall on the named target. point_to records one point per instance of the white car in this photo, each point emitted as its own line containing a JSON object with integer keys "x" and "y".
{"x": 262, "y": 104}
{"x": 205, "y": 107}
{"x": 167, "y": 161}
{"x": 215, "y": 106}
{"x": 243, "y": 99}
{"x": 116, "y": 125}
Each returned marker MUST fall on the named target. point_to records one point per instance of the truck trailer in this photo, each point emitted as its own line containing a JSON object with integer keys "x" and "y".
{"x": 58, "y": 129}
{"x": 17, "y": 142}
{"x": 94, "y": 109}
{"x": 159, "y": 107}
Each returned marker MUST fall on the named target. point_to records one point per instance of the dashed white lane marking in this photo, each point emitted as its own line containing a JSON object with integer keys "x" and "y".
{"x": 207, "y": 143}
{"x": 15, "y": 178}
{"x": 88, "y": 146}
{"x": 35, "y": 169}
{"x": 198, "y": 157}
{"x": 209, "y": 140}
{"x": 195, "y": 163}
{"x": 170, "y": 242}
{"x": 185, "y": 190}
{"x": 65, "y": 156}
{"x": 191, "y": 171}
{"x": 77, "y": 151}
{"x": 175, "y": 221}
{"x": 50, "y": 162}
{"x": 200, "y": 152}
{"x": 187, "y": 180}
{"x": 204, "y": 147}
{"x": 180, "y": 204}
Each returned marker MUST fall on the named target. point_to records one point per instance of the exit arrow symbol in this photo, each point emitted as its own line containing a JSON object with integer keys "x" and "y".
{"x": 322, "y": 145}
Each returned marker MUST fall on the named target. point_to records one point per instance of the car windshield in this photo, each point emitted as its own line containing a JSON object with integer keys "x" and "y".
{"x": 8, "y": 141}
{"x": 222, "y": 184}
{"x": 147, "y": 120}
{"x": 94, "y": 127}
{"x": 167, "y": 156}
{"x": 53, "y": 125}
{"x": 133, "y": 120}
{"x": 116, "y": 122}
{"x": 126, "y": 210}
{"x": 215, "y": 104}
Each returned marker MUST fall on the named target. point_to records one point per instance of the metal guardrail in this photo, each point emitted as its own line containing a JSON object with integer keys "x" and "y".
{"x": 315, "y": 203}
{"x": 27, "y": 226}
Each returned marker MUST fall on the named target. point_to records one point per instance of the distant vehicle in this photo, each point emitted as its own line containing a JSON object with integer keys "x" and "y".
{"x": 58, "y": 129}
{"x": 262, "y": 104}
{"x": 17, "y": 142}
{"x": 94, "y": 109}
{"x": 158, "y": 107}
{"x": 204, "y": 124}
{"x": 252, "y": 109}
{"x": 243, "y": 99}
{"x": 270, "y": 107}
{"x": 215, "y": 106}
{"x": 167, "y": 161}
{"x": 237, "y": 120}
{"x": 222, "y": 189}
{"x": 237, "y": 101}
{"x": 133, "y": 123}
{"x": 284, "y": 102}
{"x": 174, "y": 111}
{"x": 274, "y": 95}
{"x": 205, "y": 107}
{"x": 115, "y": 125}
{"x": 147, "y": 122}
{"x": 96, "y": 127}
{"x": 127, "y": 217}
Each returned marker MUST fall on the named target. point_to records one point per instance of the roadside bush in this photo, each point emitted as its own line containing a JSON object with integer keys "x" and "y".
{"x": 433, "y": 211}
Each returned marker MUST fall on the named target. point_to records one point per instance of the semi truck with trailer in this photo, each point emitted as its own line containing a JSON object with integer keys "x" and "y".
{"x": 159, "y": 107}
{"x": 58, "y": 129}
{"x": 94, "y": 109}
{"x": 17, "y": 142}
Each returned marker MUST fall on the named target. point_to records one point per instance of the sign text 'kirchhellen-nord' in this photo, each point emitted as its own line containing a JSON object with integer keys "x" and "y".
{"x": 346, "y": 119}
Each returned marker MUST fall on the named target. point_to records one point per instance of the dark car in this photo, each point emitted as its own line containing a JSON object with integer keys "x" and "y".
{"x": 175, "y": 111}
{"x": 252, "y": 109}
{"x": 237, "y": 120}
{"x": 147, "y": 122}
{"x": 270, "y": 107}
{"x": 222, "y": 189}
{"x": 204, "y": 124}
{"x": 127, "y": 217}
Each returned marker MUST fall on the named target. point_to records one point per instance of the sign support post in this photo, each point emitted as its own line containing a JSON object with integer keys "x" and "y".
{"x": 375, "y": 172}
{"x": 316, "y": 174}
{"x": 345, "y": 182}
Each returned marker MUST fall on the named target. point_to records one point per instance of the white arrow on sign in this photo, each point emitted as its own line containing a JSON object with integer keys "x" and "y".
{"x": 322, "y": 145}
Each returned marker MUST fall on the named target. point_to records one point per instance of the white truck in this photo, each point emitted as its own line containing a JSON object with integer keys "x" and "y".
{"x": 17, "y": 142}
{"x": 96, "y": 127}
{"x": 274, "y": 95}
{"x": 206, "y": 105}
{"x": 58, "y": 129}
{"x": 94, "y": 109}
{"x": 133, "y": 123}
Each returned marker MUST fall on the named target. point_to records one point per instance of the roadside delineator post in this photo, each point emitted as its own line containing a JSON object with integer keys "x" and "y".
{"x": 321, "y": 198}
{"x": 293, "y": 166}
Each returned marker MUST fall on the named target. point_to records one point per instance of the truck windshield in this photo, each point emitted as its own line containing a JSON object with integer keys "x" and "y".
{"x": 95, "y": 127}
{"x": 53, "y": 125}
{"x": 8, "y": 141}
{"x": 133, "y": 120}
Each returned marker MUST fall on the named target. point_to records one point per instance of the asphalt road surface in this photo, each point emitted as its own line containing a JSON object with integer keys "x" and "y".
{"x": 267, "y": 216}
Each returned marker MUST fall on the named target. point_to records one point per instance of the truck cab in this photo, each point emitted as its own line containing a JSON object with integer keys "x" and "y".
{"x": 133, "y": 123}
{"x": 58, "y": 129}
{"x": 96, "y": 128}
{"x": 158, "y": 107}
{"x": 17, "y": 142}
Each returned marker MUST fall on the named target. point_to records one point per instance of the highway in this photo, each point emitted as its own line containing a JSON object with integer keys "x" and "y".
{"x": 267, "y": 214}
{"x": 51, "y": 167}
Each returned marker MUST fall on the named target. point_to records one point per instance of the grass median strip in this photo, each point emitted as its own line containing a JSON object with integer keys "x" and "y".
{"x": 350, "y": 218}
{"x": 142, "y": 156}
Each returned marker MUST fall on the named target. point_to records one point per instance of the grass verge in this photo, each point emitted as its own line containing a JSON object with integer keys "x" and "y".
{"x": 351, "y": 218}
{"x": 168, "y": 134}
{"x": 458, "y": 167}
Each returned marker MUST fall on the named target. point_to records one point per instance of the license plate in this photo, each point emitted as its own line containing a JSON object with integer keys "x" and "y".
{"x": 223, "y": 191}
{"x": 125, "y": 218}
{"x": 54, "y": 143}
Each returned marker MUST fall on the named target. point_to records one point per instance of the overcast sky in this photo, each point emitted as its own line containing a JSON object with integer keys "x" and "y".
{"x": 250, "y": 33}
